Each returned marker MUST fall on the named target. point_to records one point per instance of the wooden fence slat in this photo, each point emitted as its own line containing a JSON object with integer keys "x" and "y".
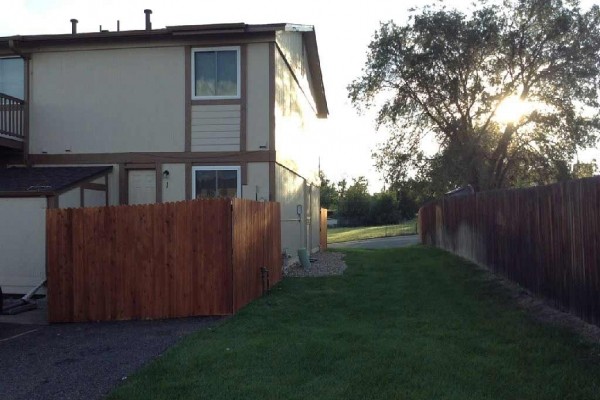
{"x": 323, "y": 229}
{"x": 201, "y": 257}
{"x": 544, "y": 238}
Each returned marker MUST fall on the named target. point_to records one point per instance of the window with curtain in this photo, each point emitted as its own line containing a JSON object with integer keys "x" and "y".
{"x": 216, "y": 73}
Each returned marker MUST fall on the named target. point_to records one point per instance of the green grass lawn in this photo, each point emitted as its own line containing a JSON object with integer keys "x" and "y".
{"x": 335, "y": 235}
{"x": 413, "y": 323}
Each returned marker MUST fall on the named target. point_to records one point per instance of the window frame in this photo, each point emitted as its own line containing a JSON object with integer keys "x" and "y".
{"x": 237, "y": 49}
{"x": 238, "y": 169}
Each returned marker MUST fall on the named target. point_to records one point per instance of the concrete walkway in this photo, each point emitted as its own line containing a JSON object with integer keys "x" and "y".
{"x": 378, "y": 243}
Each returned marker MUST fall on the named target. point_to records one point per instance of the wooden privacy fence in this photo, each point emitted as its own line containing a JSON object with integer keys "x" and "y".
{"x": 323, "y": 230}
{"x": 199, "y": 257}
{"x": 545, "y": 238}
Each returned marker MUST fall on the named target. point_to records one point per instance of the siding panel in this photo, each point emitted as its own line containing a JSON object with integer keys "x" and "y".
{"x": 216, "y": 127}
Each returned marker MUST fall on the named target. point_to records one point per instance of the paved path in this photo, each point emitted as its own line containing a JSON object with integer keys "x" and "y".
{"x": 84, "y": 360}
{"x": 379, "y": 243}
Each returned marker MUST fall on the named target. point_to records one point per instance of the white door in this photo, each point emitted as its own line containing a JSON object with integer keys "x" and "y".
{"x": 142, "y": 186}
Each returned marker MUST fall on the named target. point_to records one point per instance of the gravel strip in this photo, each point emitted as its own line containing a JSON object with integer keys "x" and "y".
{"x": 84, "y": 360}
{"x": 325, "y": 264}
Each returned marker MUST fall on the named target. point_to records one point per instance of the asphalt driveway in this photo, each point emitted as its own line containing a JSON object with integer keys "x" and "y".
{"x": 85, "y": 360}
{"x": 378, "y": 243}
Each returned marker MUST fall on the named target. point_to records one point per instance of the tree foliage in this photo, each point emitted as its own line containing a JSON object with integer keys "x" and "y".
{"x": 353, "y": 204}
{"x": 354, "y": 201}
{"x": 328, "y": 193}
{"x": 384, "y": 209}
{"x": 446, "y": 74}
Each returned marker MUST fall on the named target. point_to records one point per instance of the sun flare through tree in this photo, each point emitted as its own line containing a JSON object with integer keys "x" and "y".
{"x": 508, "y": 92}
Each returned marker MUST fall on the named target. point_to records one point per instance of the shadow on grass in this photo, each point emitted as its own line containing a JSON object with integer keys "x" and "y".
{"x": 413, "y": 323}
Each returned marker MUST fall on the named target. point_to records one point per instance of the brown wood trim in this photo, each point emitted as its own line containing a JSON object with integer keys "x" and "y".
{"x": 217, "y": 164}
{"x": 216, "y": 102}
{"x": 272, "y": 96}
{"x": 81, "y": 196}
{"x": 140, "y": 165}
{"x": 244, "y": 173}
{"x": 129, "y": 159}
{"x": 314, "y": 65}
{"x": 159, "y": 182}
{"x": 244, "y": 97}
{"x": 188, "y": 97}
{"x": 52, "y": 201}
{"x": 101, "y": 187}
{"x": 123, "y": 185}
{"x": 188, "y": 181}
{"x": 272, "y": 192}
{"x": 154, "y": 38}
{"x": 26, "y": 194}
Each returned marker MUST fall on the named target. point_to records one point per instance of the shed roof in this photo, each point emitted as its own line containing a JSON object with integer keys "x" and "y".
{"x": 43, "y": 181}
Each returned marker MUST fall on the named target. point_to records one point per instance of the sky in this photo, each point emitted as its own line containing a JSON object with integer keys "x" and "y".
{"x": 344, "y": 29}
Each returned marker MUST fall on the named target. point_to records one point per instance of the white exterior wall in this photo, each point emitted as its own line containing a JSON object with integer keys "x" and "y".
{"x": 108, "y": 101}
{"x": 113, "y": 186}
{"x": 296, "y": 124}
{"x": 70, "y": 199}
{"x": 216, "y": 127}
{"x": 173, "y": 187}
{"x": 23, "y": 260}
{"x": 257, "y": 111}
{"x": 292, "y": 47}
{"x": 257, "y": 187}
{"x": 290, "y": 193}
{"x": 94, "y": 198}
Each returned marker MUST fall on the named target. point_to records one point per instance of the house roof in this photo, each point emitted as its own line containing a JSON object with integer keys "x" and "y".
{"x": 43, "y": 181}
{"x": 26, "y": 44}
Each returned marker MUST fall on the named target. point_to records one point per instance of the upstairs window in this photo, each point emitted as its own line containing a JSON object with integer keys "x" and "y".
{"x": 216, "y": 73}
{"x": 12, "y": 77}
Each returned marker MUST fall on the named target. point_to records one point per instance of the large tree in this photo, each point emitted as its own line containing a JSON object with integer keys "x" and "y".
{"x": 509, "y": 92}
{"x": 328, "y": 194}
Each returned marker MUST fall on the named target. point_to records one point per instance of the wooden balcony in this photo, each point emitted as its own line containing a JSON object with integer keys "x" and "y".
{"x": 12, "y": 122}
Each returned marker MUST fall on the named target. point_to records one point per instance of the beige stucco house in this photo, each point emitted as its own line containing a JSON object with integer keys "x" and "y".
{"x": 173, "y": 114}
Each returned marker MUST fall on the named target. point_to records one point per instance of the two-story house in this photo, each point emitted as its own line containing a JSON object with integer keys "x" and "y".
{"x": 156, "y": 115}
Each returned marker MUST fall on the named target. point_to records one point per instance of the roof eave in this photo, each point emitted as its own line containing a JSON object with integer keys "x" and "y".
{"x": 314, "y": 61}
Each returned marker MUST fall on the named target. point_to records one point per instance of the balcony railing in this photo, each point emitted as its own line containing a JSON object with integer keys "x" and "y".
{"x": 12, "y": 116}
